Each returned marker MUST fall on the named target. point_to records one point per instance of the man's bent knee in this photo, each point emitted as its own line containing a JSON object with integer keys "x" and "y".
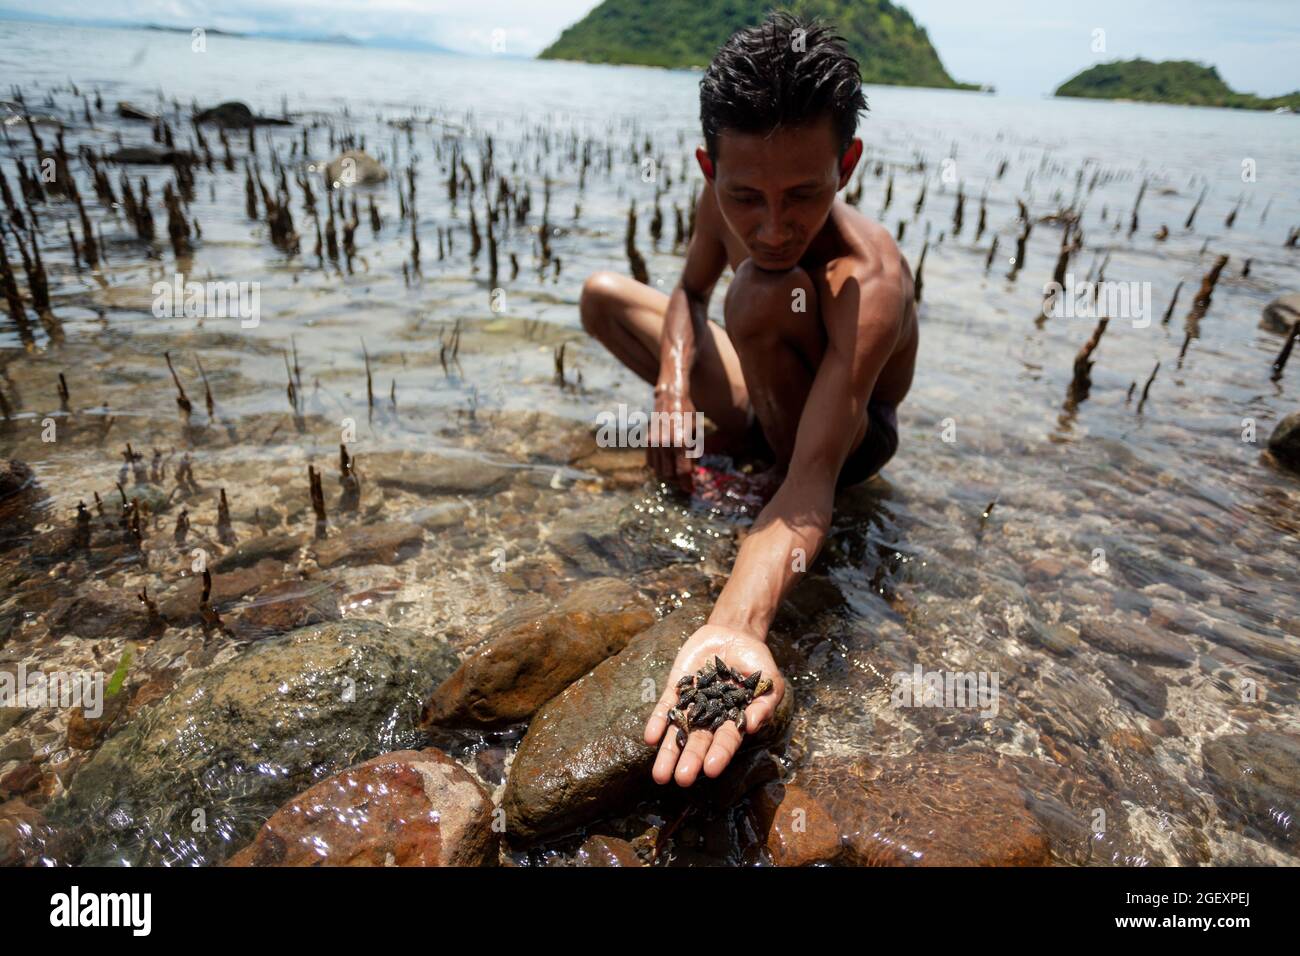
{"x": 758, "y": 300}
{"x": 598, "y": 293}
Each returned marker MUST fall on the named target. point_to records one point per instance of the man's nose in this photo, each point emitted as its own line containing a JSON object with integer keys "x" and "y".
{"x": 772, "y": 230}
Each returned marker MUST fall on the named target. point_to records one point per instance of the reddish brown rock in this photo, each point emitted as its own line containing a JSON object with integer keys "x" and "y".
{"x": 284, "y": 606}
{"x": 801, "y": 830}
{"x": 585, "y": 753}
{"x": 607, "y": 851}
{"x": 531, "y": 655}
{"x": 1045, "y": 569}
{"x": 22, "y": 779}
{"x": 920, "y": 810}
{"x": 23, "y": 834}
{"x": 181, "y": 604}
{"x": 152, "y": 691}
{"x": 386, "y": 543}
{"x": 85, "y": 733}
{"x": 406, "y": 808}
{"x": 100, "y": 613}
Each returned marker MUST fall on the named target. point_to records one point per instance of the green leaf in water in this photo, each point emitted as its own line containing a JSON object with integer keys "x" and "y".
{"x": 119, "y": 675}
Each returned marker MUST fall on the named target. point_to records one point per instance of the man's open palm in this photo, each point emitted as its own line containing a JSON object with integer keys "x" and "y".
{"x": 710, "y": 750}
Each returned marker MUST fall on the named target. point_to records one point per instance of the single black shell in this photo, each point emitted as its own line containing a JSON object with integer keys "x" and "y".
{"x": 681, "y": 738}
{"x": 736, "y": 698}
{"x": 750, "y": 682}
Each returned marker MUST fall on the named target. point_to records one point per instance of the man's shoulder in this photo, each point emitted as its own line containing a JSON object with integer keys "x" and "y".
{"x": 868, "y": 254}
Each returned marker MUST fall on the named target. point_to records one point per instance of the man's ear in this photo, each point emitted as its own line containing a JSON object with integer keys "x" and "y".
{"x": 706, "y": 164}
{"x": 850, "y": 161}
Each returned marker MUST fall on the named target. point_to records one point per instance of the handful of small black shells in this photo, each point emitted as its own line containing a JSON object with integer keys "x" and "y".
{"x": 715, "y": 694}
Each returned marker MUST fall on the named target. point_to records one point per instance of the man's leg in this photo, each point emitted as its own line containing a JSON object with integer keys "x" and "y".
{"x": 627, "y": 317}
{"x": 780, "y": 348}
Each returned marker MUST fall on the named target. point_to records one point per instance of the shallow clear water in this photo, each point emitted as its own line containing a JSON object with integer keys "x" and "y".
{"x": 1195, "y": 532}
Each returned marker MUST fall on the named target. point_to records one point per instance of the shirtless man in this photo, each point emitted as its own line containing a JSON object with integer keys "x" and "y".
{"x": 818, "y": 348}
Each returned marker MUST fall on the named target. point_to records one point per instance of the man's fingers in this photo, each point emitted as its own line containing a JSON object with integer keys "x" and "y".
{"x": 760, "y": 711}
{"x": 655, "y": 726}
{"x": 692, "y": 758}
{"x": 666, "y": 760}
{"x": 726, "y": 741}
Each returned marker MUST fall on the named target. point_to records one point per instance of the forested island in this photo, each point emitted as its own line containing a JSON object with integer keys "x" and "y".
{"x": 890, "y": 46}
{"x": 1168, "y": 81}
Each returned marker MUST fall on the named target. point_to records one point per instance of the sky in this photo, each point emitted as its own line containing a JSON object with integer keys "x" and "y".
{"x": 1023, "y": 47}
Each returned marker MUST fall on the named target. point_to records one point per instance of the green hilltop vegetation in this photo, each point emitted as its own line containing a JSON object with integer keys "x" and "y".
{"x": 1170, "y": 81}
{"x": 891, "y": 48}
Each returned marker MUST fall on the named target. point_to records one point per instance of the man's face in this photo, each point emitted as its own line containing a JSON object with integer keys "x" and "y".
{"x": 776, "y": 191}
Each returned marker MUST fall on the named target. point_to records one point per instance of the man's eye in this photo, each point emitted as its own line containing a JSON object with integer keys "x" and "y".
{"x": 747, "y": 200}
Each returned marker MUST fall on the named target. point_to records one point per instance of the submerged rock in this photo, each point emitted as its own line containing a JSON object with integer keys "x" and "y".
{"x": 25, "y": 838}
{"x": 407, "y": 808}
{"x": 435, "y": 476}
{"x": 85, "y": 733}
{"x": 236, "y": 115}
{"x": 1267, "y": 650}
{"x": 1281, "y": 314}
{"x": 286, "y": 606}
{"x": 1137, "y": 641}
{"x": 355, "y": 167}
{"x": 181, "y": 604}
{"x": 585, "y": 754}
{"x": 19, "y": 493}
{"x": 233, "y": 742}
{"x": 281, "y": 547}
{"x": 1258, "y": 776}
{"x": 1139, "y": 685}
{"x": 100, "y": 613}
{"x": 920, "y": 810}
{"x": 531, "y": 655}
{"x": 149, "y": 156}
{"x": 386, "y": 543}
{"x": 1284, "y": 443}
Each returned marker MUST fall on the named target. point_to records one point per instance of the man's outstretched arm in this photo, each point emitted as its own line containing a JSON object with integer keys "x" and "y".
{"x": 861, "y": 316}
{"x": 790, "y": 531}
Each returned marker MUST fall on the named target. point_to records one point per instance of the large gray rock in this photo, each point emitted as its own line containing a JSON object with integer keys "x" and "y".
{"x": 585, "y": 755}
{"x": 193, "y": 777}
{"x": 355, "y": 167}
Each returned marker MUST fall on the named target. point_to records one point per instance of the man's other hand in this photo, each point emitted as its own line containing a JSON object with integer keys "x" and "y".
{"x": 673, "y": 405}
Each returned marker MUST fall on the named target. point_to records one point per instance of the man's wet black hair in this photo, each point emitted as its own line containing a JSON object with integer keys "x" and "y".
{"x": 786, "y": 71}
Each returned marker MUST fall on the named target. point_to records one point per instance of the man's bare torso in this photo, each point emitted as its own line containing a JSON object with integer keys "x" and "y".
{"x": 849, "y": 239}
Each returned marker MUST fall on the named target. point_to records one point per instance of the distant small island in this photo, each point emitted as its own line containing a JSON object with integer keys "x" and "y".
{"x": 1169, "y": 81}
{"x": 890, "y": 46}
